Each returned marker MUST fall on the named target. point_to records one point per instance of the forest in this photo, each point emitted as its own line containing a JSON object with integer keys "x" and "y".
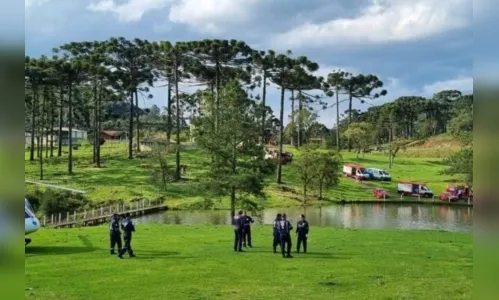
{"x": 96, "y": 86}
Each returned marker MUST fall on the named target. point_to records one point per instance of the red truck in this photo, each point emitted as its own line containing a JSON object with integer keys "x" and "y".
{"x": 380, "y": 193}
{"x": 456, "y": 192}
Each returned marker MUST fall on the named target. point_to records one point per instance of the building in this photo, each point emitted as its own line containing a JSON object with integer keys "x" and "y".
{"x": 77, "y": 135}
{"x": 114, "y": 135}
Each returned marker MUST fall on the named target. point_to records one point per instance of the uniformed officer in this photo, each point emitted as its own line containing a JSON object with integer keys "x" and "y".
{"x": 302, "y": 234}
{"x": 247, "y": 220}
{"x": 285, "y": 236}
{"x": 127, "y": 227}
{"x": 276, "y": 232}
{"x": 237, "y": 222}
{"x": 115, "y": 234}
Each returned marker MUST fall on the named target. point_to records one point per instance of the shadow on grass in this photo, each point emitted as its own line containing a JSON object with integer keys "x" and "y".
{"x": 57, "y": 250}
{"x": 321, "y": 255}
{"x": 150, "y": 255}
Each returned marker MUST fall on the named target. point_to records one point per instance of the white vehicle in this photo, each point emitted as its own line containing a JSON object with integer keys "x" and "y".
{"x": 31, "y": 222}
{"x": 355, "y": 171}
{"x": 379, "y": 174}
{"x": 414, "y": 189}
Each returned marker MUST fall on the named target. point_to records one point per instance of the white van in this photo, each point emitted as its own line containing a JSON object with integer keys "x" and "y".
{"x": 379, "y": 174}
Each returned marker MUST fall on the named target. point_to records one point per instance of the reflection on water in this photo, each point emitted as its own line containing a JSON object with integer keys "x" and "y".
{"x": 377, "y": 216}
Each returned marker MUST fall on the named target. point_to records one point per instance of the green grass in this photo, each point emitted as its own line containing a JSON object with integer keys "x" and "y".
{"x": 197, "y": 262}
{"x": 124, "y": 179}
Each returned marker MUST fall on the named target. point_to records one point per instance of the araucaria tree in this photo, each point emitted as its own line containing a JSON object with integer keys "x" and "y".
{"x": 236, "y": 172}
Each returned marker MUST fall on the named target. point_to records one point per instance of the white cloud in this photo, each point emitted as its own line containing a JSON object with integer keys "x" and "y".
{"x": 463, "y": 84}
{"x": 130, "y": 11}
{"x": 34, "y": 3}
{"x": 210, "y": 15}
{"x": 384, "y": 21}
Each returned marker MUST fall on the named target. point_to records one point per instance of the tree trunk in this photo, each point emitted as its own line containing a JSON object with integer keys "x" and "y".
{"x": 40, "y": 136}
{"x": 99, "y": 123}
{"x": 320, "y": 189}
{"x": 350, "y": 100}
{"x": 217, "y": 99}
{"x": 264, "y": 97}
{"x": 137, "y": 120}
{"x": 293, "y": 129}
{"x": 70, "y": 126}
{"x": 233, "y": 188}
{"x": 281, "y": 129}
{"x": 304, "y": 194}
{"x": 177, "y": 150}
{"x": 96, "y": 139}
{"x": 52, "y": 123}
{"x": 130, "y": 128}
{"x": 34, "y": 105}
{"x": 61, "y": 119}
{"x": 390, "y": 137}
{"x": 169, "y": 124}
{"x": 300, "y": 120}
{"x": 337, "y": 120}
{"x": 44, "y": 119}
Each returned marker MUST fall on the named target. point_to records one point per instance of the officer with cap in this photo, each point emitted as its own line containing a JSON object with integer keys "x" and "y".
{"x": 276, "y": 232}
{"x": 237, "y": 222}
{"x": 285, "y": 228}
{"x": 127, "y": 227}
{"x": 302, "y": 234}
{"x": 114, "y": 233}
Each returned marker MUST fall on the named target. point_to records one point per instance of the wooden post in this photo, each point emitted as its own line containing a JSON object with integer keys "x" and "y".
{"x": 93, "y": 212}
{"x": 101, "y": 211}
{"x": 74, "y": 216}
{"x": 59, "y": 218}
{"x": 402, "y": 196}
{"x": 85, "y": 214}
{"x": 67, "y": 216}
{"x": 149, "y": 202}
{"x": 52, "y": 219}
{"x": 44, "y": 220}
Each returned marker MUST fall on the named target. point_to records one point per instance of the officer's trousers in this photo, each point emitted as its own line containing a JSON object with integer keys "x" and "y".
{"x": 247, "y": 236}
{"x": 286, "y": 242}
{"x": 238, "y": 240}
{"x": 128, "y": 246}
{"x": 115, "y": 240}
{"x": 302, "y": 238}
{"x": 277, "y": 241}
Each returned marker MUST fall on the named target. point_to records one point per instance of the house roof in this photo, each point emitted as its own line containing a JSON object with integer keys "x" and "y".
{"x": 67, "y": 129}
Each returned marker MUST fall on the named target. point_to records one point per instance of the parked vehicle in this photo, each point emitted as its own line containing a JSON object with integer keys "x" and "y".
{"x": 414, "y": 189}
{"x": 380, "y": 193}
{"x": 355, "y": 171}
{"x": 286, "y": 157}
{"x": 460, "y": 191}
{"x": 446, "y": 196}
{"x": 379, "y": 174}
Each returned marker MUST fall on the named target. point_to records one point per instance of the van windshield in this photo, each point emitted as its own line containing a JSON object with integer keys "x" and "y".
{"x": 27, "y": 205}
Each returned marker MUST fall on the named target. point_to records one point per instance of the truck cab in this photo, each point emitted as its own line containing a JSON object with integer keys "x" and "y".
{"x": 355, "y": 171}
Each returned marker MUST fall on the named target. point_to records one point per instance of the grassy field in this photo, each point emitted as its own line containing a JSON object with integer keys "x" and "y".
{"x": 124, "y": 179}
{"x": 197, "y": 262}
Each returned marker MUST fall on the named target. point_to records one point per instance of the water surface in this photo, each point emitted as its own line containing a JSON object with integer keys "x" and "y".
{"x": 375, "y": 216}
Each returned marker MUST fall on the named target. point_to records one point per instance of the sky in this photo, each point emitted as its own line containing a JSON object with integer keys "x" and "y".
{"x": 416, "y": 47}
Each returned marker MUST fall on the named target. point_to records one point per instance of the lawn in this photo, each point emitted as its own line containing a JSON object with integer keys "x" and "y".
{"x": 197, "y": 262}
{"x": 124, "y": 179}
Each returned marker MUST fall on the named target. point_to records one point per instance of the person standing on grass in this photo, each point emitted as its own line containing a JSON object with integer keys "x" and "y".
{"x": 247, "y": 220}
{"x": 115, "y": 234}
{"x": 302, "y": 229}
{"x": 237, "y": 222}
{"x": 285, "y": 228}
{"x": 276, "y": 232}
{"x": 127, "y": 227}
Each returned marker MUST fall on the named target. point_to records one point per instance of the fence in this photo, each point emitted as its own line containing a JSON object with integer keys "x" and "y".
{"x": 99, "y": 215}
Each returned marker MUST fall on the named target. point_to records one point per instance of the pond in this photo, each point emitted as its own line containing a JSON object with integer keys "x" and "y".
{"x": 374, "y": 216}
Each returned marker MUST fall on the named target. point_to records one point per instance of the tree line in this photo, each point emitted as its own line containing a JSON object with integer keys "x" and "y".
{"x": 93, "y": 83}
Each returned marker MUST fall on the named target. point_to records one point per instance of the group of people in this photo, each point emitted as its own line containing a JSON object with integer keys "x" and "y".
{"x": 115, "y": 235}
{"x": 281, "y": 231}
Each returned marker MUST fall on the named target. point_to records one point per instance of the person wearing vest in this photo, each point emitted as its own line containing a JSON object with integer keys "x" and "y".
{"x": 127, "y": 227}
{"x": 302, "y": 234}
{"x": 247, "y": 220}
{"x": 276, "y": 232}
{"x": 115, "y": 234}
{"x": 285, "y": 236}
{"x": 237, "y": 222}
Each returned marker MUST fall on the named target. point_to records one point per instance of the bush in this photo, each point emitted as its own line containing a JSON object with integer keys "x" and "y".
{"x": 52, "y": 202}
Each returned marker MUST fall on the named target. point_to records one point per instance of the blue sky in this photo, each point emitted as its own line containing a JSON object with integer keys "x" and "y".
{"x": 417, "y": 47}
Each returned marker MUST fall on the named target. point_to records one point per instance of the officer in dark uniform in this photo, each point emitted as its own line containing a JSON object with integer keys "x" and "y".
{"x": 302, "y": 234}
{"x": 247, "y": 220}
{"x": 276, "y": 232}
{"x": 115, "y": 234}
{"x": 237, "y": 222}
{"x": 127, "y": 227}
{"x": 285, "y": 236}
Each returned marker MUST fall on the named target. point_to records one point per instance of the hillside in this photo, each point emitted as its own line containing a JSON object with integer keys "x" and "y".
{"x": 124, "y": 179}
